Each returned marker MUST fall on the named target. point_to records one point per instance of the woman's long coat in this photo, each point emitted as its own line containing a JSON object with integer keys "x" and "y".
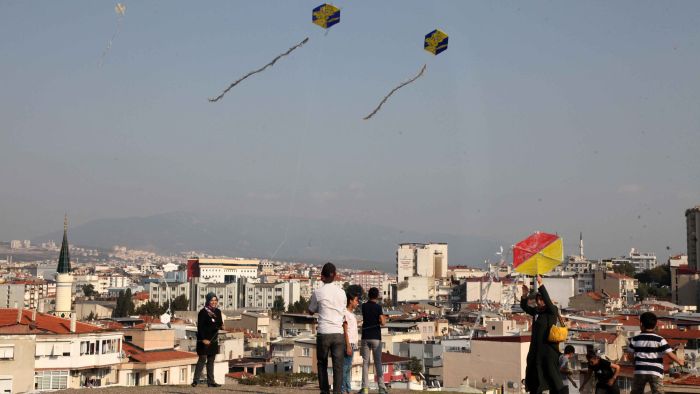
{"x": 542, "y": 370}
{"x": 208, "y": 328}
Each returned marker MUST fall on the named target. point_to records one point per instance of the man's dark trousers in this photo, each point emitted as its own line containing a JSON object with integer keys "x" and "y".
{"x": 335, "y": 345}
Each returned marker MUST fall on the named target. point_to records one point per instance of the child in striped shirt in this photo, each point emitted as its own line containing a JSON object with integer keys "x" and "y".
{"x": 649, "y": 349}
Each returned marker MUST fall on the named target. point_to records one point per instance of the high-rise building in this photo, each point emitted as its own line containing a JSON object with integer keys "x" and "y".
{"x": 369, "y": 279}
{"x": 263, "y": 295}
{"x": 64, "y": 278}
{"x": 426, "y": 260}
{"x": 221, "y": 270}
{"x": 692, "y": 220}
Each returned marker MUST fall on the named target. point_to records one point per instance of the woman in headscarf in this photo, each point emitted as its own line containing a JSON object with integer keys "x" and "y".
{"x": 542, "y": 370}
{"x": 209, "y": 322}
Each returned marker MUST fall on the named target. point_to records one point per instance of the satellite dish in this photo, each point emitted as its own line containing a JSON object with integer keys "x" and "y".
{"x": 165, "y": 318}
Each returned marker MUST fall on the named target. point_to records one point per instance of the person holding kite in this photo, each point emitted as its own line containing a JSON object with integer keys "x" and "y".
{"x": 542, "y": 370}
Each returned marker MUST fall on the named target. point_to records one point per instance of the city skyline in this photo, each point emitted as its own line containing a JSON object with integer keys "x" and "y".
{"x": 531, "y": 120}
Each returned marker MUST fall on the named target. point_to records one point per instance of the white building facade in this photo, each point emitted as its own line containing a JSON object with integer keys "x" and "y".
{"x": 263, "y": 295}
{"x": 427, "y": 260}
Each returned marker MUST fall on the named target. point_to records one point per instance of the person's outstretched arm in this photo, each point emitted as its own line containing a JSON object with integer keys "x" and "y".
{"x": 523, "y": 302}
{"x": 545, "y": 296}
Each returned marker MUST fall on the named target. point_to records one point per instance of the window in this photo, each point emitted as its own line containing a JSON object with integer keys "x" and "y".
{"x": 306, "y": 352}
{"x": 150, "y": 379}
{"x": 385, "y": 369}
{"x": 183, "y": 375}
{"x": 50, "y": 380}
{"x": 164, "y": 376}
{"x": 7, "y": 352}
{"x": 132, "y": 379}
{"x": 305, "y": 368}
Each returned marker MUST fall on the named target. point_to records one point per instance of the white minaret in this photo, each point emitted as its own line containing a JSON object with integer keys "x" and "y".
{"x": 580, "y": 245}
{"x": 64, "y": 279}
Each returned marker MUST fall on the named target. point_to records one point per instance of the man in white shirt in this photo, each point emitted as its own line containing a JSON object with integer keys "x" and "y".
{"x": 329, "y": 301}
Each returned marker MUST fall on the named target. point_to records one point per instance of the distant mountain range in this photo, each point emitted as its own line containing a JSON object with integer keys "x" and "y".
{"x": 311, "y": 240}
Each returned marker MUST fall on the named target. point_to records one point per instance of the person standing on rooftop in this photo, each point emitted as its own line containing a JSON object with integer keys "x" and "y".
{"x": 373, "y": 319}
{"x": 329, "y": 301}
{"x": 649, "y": 349}
{"x": 209, "y": 322}
{"x": 542, "y": 369}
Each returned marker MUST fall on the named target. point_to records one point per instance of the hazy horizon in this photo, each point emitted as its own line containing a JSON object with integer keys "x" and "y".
{"x": 559, "y": 117}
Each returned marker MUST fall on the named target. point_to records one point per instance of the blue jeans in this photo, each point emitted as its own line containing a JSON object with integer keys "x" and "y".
{"x": 347, "y": 373}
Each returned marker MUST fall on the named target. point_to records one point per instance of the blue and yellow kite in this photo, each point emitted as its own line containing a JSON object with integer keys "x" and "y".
{"x": 435, "y": 42}
{"x": 325, "y": 15}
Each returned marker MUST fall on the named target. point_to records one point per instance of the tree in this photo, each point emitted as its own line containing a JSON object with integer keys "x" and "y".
{"x": 646, "y": 290}
{"x": 643, "y": 291}
{"x": 278, "y": 306}
{"x": 415, "y": 366}
{"x": 125, "y": 305}
{"x": 180, "y": 303}
{"x": 91, "y": 316}
{"x": 151, "y": 308}
{"x": 300, "y": 306}
{"x": 661, "y": 276}
{"x": 88, "y": 290}
{"x": 625, "y": 268}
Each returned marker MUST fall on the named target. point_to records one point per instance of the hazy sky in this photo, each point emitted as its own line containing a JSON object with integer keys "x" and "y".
{"x": 553, "y": 115}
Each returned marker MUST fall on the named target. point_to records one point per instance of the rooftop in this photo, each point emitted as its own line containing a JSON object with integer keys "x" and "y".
{"x": 138, "y": 355}
{"x": 44, "y": 324}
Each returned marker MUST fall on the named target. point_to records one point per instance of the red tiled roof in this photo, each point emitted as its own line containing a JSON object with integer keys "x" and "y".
{"x": 112, "y": 325}
{"x": 594, "y": 296}
{"x": 674, "y": 333}
{"x": 139, "y": 355}
{"x": 689, "y": 380}
{"x": 388, "y": 358}
{"x": 598, "y": 336}
{"x": 44, "y": 323}
{"x": 623, "y": 320}
{"x": 618, "y": 276}
{"x": 141, "y": 296}
{"x": 28, "y": 282}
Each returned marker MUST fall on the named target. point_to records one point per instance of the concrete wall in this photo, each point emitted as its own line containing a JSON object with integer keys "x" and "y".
{"x": 500, "y": 361}
{"x": 417, "y": 288}
{"x": 20, "y": 369}
{"x": 560, "y": 289}
{"x": 684, "y": 287}
{"x": 12, "y": 296}
{"x": 152, "y": 339}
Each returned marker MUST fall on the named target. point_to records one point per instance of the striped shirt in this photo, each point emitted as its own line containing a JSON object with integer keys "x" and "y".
{"x": 648, "y": 349}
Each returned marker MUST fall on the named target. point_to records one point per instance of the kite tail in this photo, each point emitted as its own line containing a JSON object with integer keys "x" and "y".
{"x": 109, "y": 43}
{"x": 420, "y": 74}
{"x": 217, "y": 98}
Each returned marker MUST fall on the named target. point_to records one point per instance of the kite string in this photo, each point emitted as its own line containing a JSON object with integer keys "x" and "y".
{"x": 422, "y": 70}
{"x": 109, "y": 43}
{"x": 295, "y": 187}
{"x": 290, "y": 206}
{"x": 217, "y": 98}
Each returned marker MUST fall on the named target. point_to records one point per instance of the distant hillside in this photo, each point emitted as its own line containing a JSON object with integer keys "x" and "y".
{"x": 361, "y": 245}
